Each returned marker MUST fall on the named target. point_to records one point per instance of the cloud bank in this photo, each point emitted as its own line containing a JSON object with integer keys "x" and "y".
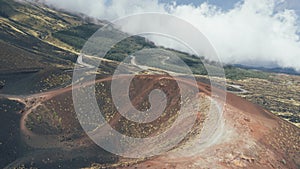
{"x": 254, "y": 32}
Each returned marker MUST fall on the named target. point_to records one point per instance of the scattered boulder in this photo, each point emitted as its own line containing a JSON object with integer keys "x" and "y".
{"x": 2, "y": 84}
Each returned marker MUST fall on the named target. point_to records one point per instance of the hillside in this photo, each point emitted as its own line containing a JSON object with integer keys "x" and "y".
{"x": 39, "y": 48}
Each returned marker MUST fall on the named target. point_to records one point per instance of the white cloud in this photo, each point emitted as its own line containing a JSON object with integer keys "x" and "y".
{"x": 109, "y": 11}
{"x": 254, "y": 31}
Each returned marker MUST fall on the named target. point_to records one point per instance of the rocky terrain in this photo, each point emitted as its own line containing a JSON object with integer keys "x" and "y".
{"x": 40, "y": 129}
{"x": 248, "y": 137}
{"x": 276, "y": 94}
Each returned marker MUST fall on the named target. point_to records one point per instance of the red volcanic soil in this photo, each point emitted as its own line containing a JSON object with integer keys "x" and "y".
{"x": 248, "y": 137}
{"x": 251, "y": 138}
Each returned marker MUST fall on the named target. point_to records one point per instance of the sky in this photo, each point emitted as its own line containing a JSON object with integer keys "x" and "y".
{"x": 249, "y": 32}
{"x": 224, "y": 4}
{"x": 229, "y": 4}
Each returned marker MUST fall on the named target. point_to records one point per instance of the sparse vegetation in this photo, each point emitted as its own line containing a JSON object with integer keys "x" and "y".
{"x": 39, "y": 49}
{"x": 276, "y": 94}
{"x": 76, "y": 36}
{"x": 234, "y": 73}
{"x": 56, "y": 80}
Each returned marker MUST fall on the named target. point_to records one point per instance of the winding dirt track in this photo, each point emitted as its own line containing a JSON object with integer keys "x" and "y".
{"x": 31, "y": 102}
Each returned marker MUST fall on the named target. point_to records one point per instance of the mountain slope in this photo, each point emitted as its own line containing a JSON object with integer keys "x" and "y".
{"x": 30, "y": 54}
{"x": 39, "y": 48}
